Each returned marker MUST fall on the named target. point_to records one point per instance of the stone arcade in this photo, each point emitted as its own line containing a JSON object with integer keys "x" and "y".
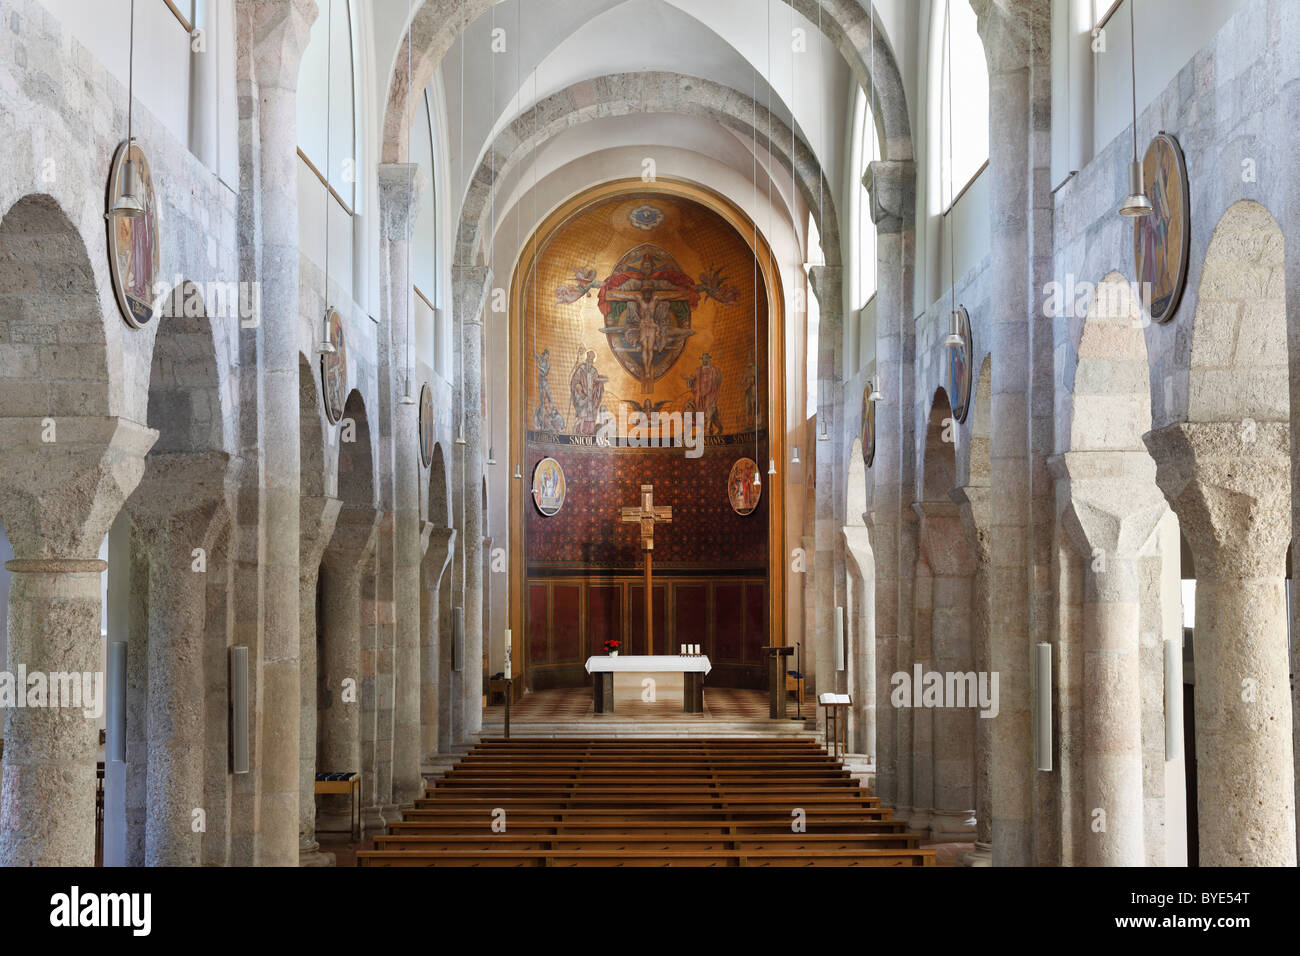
{"x": 845, "y": 282}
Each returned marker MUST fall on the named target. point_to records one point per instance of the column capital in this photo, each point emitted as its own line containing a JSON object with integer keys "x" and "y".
{"x": 973, "y": 505}
{"x": 356, "y": 533}
{"x": 63, "y": 481}
{"x": 317, "y": 516}
{"x": 400, "y": 194}
{"x": 892, "y": 186}
{"x": 943, "y": 539}
{"x": 277, "y": 34}
{"x": 827, "y": 285}
{"x": 1009, "y": 30}
{"x": 469, "y": 290}
{"x": 1230, "y": 485}
{"x": 1114, "y": 503}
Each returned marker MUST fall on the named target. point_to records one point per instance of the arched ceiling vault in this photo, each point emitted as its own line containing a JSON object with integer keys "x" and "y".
{"x": 630, "y": 94}
{"x": 436, "y": 25}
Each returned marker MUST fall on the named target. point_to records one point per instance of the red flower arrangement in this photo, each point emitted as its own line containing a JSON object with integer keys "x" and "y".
{"x": 611, "y": 646}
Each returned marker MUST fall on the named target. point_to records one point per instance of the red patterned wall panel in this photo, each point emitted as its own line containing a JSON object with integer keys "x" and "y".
{"x": 604, "y": 615}
{"x": 537, "y": 623}
{"x": 566, "y": 622}
{"x": 728, "y": 622}
{"x": 691, "y": 616}
{"x": 755, "y": 622}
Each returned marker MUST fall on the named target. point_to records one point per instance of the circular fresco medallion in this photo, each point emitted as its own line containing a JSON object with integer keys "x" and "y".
{"x": 868, "y": 426}
{"x": 548, "y": 487}
{"x": 742, "y": 489}
{"x": 334, "y": 370}
{"x": 133, "y": 242}
{"x": 1162, "y": 239}
{"x": 426, "y": 425}
{"x": 957, "y": 368}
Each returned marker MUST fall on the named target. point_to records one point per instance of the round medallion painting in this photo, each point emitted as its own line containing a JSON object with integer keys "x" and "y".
{"x": 334, "y": 370}
{"x": 426, "y": 425}
{"x": 548, "y": 487}
{"x": 957, "y": 368}
{"x": 868, "y": 426}
{"x": 1162, "y": 239}
{"x": 133, "y": 242}
{"x": 741, "y": 488}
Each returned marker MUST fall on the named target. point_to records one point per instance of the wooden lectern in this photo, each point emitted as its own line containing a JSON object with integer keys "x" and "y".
{"x": 776, "y": 668}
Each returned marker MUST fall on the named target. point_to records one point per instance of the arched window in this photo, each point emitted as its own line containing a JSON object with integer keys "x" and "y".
{"x": 959, "y": 98}
{"x": 865, "y": 150}
{"x": 328, "y": 161}
{"x": 326, "y": 106}
{"x": 424, "y": 251}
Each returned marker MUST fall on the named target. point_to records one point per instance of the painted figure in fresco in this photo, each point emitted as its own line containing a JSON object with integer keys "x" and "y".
{"x": 546, "y": 416}
{"x": 749, "y": 386}
{"x": 706, "y": 382}
{"x": 587, "y": 392}
{"x": 647, "y": 301}
{"x": 646, "y": 326}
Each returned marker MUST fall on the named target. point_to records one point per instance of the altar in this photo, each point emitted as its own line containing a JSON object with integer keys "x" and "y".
{"x": 623, "y": 684}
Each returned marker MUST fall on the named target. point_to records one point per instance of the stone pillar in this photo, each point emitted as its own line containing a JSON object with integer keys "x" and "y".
{"x": 919, "y": 755}
{"x": 1114, "y": 506}
{"x": 1008, "y": 32}
{"x": 399, "y": 201}
{"x": 1231, "y": 489}
{"x": 826, "y": 283}
{"x": 175, "y": 509}
{"x": 861, "y": 563}
{"x": 278, "y": 32}
{"x": 317, "y": 517}
{"x": 951, "y": 562}
{"x": 892, "y": 185}
{"x": 137, "y": 701}
{"x": 57, "y": 501}
{"x": 973, "y": 506}
{"x": 470, "y": 290}
{"x": 216, "y": 690}
{"x": 437, "y": 558}
{"x": 346, "y": 559}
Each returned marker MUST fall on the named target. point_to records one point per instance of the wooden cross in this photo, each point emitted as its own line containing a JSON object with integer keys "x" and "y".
{"x": 647, "y": 515}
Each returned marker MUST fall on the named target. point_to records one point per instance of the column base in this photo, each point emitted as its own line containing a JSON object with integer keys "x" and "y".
{"x": 952, "y": 826}
{"x": 372, "y": 820}
{"x": 919, "y": 819}
{"x": 982, "y": 855}
{"x": 315, "y": 857}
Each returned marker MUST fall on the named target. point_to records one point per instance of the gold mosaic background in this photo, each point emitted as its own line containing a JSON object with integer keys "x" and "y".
{"x": 700, "y": 241}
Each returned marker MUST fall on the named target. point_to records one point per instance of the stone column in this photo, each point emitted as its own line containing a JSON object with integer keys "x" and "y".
{"x": 470, "y": 290}
{"x": 828, "y": 288}
{"x": 973, "y": 506}
{"x": 436, "y": 560}
{"x": 216, "y": 689}
{"x": 57, "y": 501}
{"x": 1231, "y": 489}
{"x": 1007, "y": 30}
{"x": 892, "y": 185}
{"x": 137, "y": 701}
{"x": 919, "y": 754}
{"x": 857, "y": 541}
{"x": 175, "y": 509}
{"x": 951, "y": 562}
{"x": 1114, "y": 508}
{"x": 317, "y": 516}
{"x": 378, "y": 680}
{"x": 346, "y": 558}
{"x": 399, "y": 201}
{"x": 278, "y": 32}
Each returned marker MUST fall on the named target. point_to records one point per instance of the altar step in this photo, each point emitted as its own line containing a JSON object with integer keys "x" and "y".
{"x": 612, "y": 726}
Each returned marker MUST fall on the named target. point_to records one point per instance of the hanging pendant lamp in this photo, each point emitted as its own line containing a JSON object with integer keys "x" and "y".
{"x": 1136, "y": 204}
{"x": 129, "y": 204}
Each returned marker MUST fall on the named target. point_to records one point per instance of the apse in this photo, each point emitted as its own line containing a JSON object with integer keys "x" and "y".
{"x": 644, "y": 352}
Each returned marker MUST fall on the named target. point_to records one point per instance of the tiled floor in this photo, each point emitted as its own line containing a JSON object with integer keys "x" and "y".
{"x": 571, "y": 703}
